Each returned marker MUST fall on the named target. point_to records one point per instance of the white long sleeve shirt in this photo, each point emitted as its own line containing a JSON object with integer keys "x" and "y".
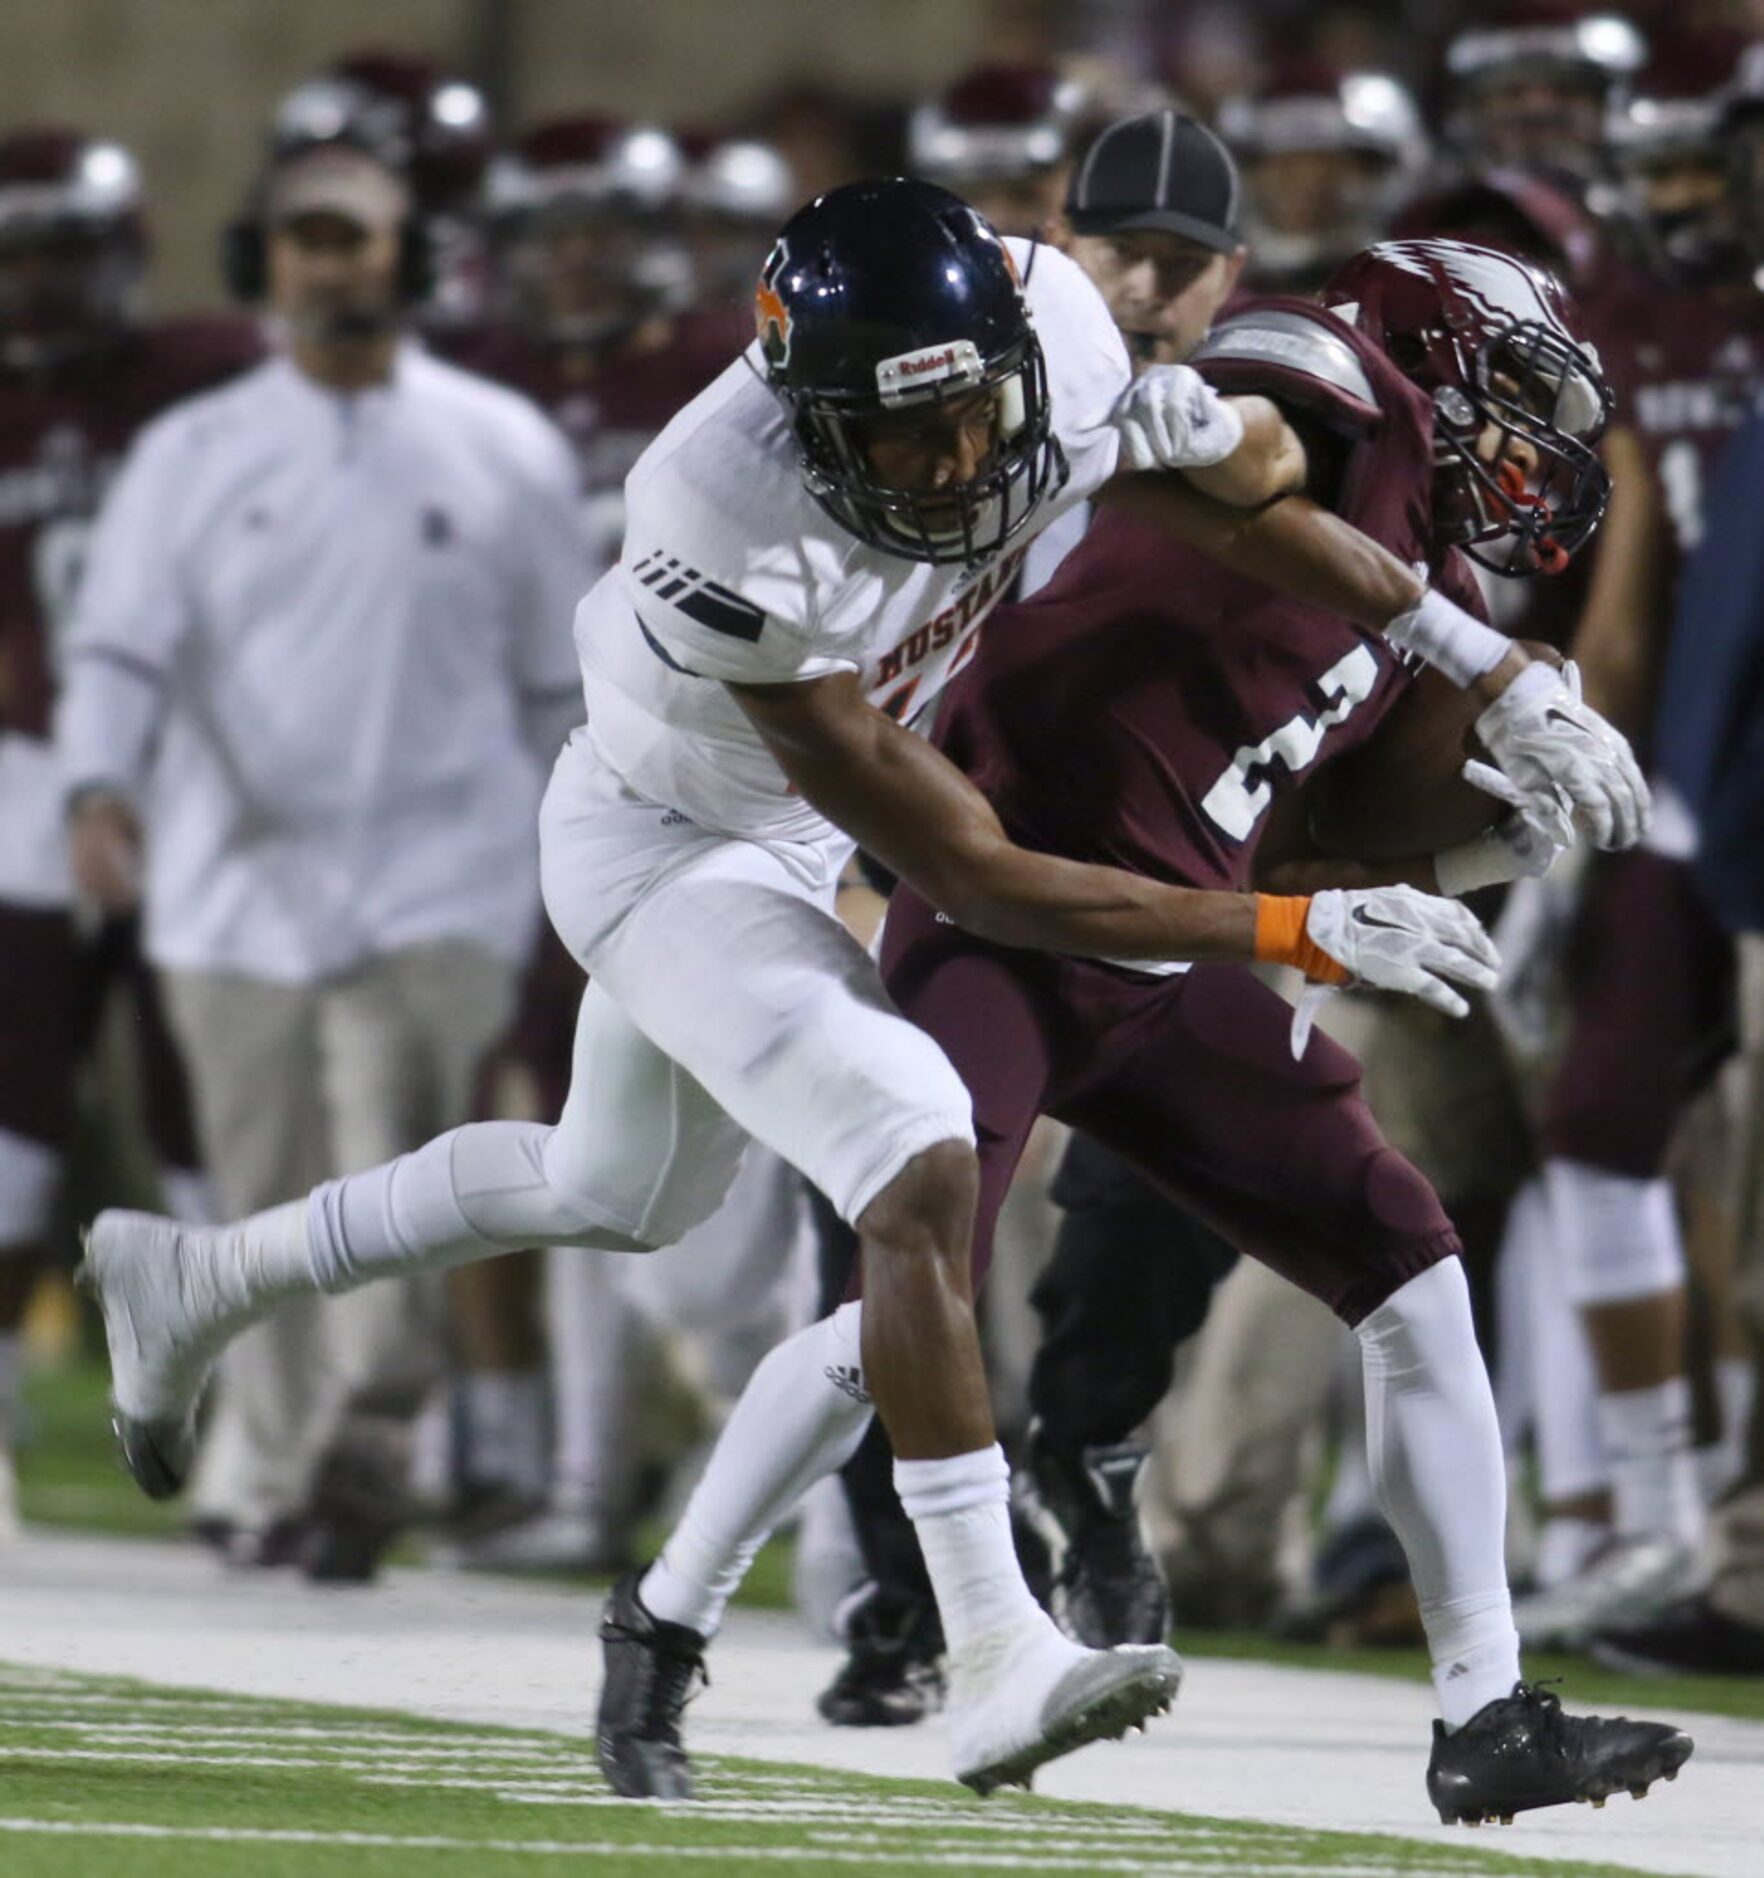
{"x": 312, "y": 631}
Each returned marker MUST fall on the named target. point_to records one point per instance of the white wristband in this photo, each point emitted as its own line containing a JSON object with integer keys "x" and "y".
{"x": 1440, "y": 632}
{"x": 1482, "y": 861}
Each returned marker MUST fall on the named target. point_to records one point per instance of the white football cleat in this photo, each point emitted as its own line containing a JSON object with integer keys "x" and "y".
{"x": 1629, "y": 1581}
{"x": 163, "y": 1332}
{"x": 1035, "y": 1695}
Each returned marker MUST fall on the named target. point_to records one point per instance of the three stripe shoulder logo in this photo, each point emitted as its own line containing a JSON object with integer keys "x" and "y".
{"x": 699, "y": 598}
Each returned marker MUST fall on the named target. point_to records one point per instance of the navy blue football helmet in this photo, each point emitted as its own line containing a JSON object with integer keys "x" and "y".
{"x": 892, "y": 296}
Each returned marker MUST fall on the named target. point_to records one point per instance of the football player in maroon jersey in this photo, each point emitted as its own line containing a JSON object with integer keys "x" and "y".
{"x": 1147, "y": 710}
{"x": 81, "y": 370}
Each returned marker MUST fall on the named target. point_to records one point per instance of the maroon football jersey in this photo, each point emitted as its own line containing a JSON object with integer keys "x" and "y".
{"x": 63, "y": 435}
{"x": 1689, "y": 366}
{"x": 1144, "y": 708}
{"x": 610, "y": 404}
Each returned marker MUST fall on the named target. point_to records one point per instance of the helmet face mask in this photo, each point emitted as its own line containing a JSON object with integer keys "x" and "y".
{"x": 958, "y": 522}
{"x": 1521, "y": 486}
{"x": 886, "y": 303}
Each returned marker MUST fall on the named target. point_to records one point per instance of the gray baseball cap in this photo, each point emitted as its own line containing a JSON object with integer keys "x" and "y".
{"x": 1163, "y": 171}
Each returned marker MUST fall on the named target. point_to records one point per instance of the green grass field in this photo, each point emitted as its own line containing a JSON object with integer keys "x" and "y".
{"x": 107, "y": 1779}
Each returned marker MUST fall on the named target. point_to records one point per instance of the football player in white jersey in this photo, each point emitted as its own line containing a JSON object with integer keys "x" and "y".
{"x": 811, "y": 546}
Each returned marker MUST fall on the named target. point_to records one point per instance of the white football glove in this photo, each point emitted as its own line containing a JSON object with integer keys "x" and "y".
{"x": 1400, "y": 939}
{"x": 1523, "y": 844}
{"x": 1171, "y": 418}
{"x": 1543, "y": 737}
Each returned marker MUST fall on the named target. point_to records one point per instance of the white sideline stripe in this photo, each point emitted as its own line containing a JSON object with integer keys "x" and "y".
{"x": 612, "y": 1848}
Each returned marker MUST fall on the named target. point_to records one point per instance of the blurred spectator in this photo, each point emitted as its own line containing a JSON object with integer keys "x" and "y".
{"x": 319, "y": 663}
{"x": 1000, "y": 138}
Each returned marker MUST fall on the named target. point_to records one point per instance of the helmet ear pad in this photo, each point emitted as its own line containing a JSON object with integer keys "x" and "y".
{"x": 244, "y": 261}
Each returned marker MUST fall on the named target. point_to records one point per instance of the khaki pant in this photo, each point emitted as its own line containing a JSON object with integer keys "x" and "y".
{"x": 295, "y": 1084}
{"x": 1737, "y": 1531}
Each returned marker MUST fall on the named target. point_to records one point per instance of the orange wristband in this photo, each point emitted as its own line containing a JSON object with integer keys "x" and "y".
{"x": 1281, "y": 940}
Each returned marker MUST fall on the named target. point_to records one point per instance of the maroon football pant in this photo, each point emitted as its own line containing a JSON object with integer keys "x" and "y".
{"x": 1191, "y": 1081}
{"x": 1653, "y": 1013}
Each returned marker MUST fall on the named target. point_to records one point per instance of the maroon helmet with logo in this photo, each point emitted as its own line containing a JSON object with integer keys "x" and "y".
{"x": 1519, "y": 399}
{"x": 72, "y": 243}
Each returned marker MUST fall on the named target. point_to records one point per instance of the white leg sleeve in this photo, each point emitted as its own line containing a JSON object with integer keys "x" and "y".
{"x": 466, "y": 1195}
{"x": 801, "y": 1417}
{"x": 1571, "y": 1459}
{"x": 1435, "y": 1451}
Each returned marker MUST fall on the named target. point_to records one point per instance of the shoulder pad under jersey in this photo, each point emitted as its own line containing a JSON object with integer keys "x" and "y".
{"x": 1294, "y": 355}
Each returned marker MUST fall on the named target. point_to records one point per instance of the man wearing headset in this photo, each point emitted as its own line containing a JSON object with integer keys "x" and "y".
{"x": 322, "y": 657}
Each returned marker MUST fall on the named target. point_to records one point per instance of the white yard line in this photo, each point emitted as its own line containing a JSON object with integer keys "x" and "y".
{"x": 1246, "y": 1741}
{"x": 965, "y": 1860}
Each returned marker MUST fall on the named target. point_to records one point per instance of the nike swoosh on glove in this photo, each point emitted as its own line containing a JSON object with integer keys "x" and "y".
{"x": 1544, "y": 738}
{"x": 1171, "y": 418}
{"x": 1400, "y": 939}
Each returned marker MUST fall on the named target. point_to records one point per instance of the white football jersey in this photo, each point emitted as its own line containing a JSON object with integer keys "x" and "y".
{"x": 731, "y": 571}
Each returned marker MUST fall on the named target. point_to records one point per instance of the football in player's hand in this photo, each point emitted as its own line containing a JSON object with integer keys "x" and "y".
{"x": 1402, "y": 792}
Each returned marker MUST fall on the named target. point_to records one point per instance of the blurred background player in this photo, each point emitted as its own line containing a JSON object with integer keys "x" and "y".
{"x": 736, "y": 191}
{"x": 1000, "y": 138}
{"x": 319, "y": 656}
{"x": 1325, "y": 156}
{"x": 81, "y": 370}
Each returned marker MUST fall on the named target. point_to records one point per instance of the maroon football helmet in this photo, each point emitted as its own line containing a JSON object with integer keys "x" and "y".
{"x": 1686, "y": 195}
{"x": 1325, "y": 155}
{"x": 1533, "y": 84}
{"x": 586, "y": 219}
{"x": 1519, "y": 399}
{"x": 72, "y": 244}
{"x": 434, "y": 129}
{"x": 997, "y": 137}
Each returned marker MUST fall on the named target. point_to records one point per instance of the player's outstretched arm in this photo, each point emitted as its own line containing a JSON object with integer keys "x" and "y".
{"x": 910, "y": 807}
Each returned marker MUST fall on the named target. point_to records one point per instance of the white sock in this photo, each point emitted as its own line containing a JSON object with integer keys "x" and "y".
{"x": 1564, "y": 1547}
{"x": 960, "y": 1508}
{"x": 1435, "y": 1451}
{"x": 800, "y": 1417}
{"x": 506, "y": 1428}
{"x": 1720, "y": 1465}
{"x": 601, "y": 1347}
{"x": 1654, "y": 1481}
{"x": 1571, "y": 1459}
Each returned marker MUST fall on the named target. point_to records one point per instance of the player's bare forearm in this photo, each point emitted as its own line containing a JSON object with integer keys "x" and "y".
{"x": 1316, "y": 873}
{"x": 904, "y": 802}
{"x": 1267, "y": 464}
{"x": 1294, "y": 546}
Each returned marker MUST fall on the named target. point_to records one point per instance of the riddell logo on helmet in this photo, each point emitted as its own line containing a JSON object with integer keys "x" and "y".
{"x": 929, "y": 365}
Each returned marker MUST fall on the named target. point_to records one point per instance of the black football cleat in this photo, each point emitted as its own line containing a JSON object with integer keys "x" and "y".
{"x": 1107, "y": 1586}
{"x": 892, "y": 1675}
{"x": 653, "y": 1669}
{"x": 1522, "y": 1751}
